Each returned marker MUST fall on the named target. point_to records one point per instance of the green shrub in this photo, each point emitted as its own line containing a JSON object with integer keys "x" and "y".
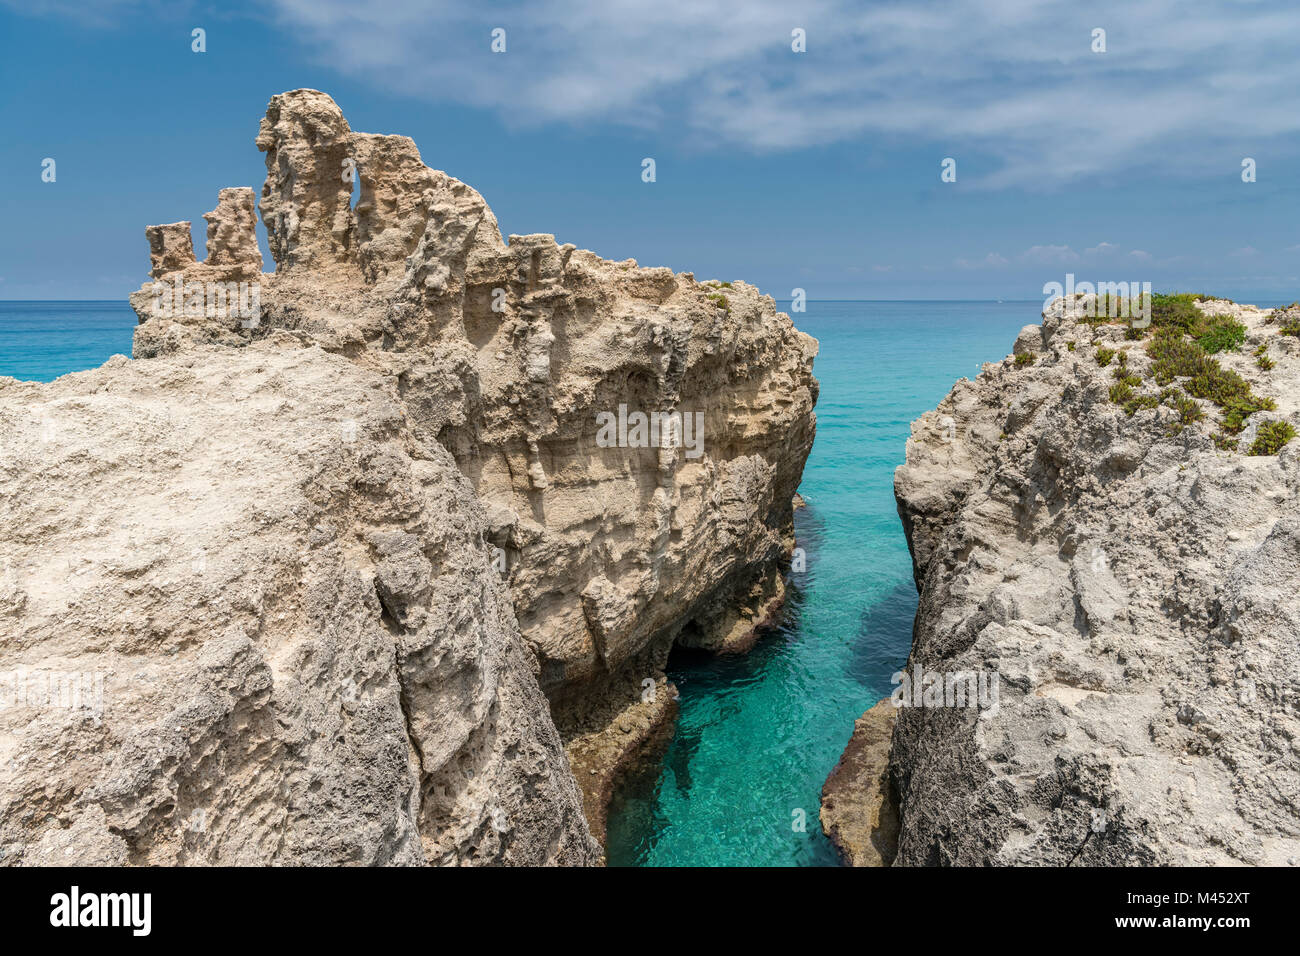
{"x": 720, "y": 300}
{"x": 1140, "y": 401}
{"x": 1174, "y": 356}
{"x": 1220, "y": 385}
{"x": 1224, "y": 335}
{"x": 1188, "y": 411}
{"x": 1224, "y": 443}
{"x": 1238, "y": 409}
{"x": 1025, "y": 358}
{"x": 1070, "y": 346}
{"x": 1104, "y": 355}
{"x": 1271, "y": 437}
{"x": 1121, "y": 392}
{"x": 1286, "y": 316}
{"x": 1178, "y": 311}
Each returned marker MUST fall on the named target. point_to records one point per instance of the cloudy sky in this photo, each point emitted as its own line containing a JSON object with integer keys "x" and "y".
{"x": 818, "y": 169}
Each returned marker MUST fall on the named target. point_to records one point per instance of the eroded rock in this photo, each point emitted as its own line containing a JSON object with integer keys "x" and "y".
{"x": 273, "y": 626}
{"x": 1132, "y": 585}
{"x": 859, "y": 813}
{"x": 504, "y": 354}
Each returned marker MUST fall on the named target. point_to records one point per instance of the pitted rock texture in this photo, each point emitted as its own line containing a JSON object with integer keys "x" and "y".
{"x": 505, "y": 353}
{"x": 232, "y": 235}
{"x": 249, "y": 618}
{"x": 859, "y": 813}
{"x": 322, "y": 565}
{"x": 1134, "y": 587}
{"x": 171, "y": 248}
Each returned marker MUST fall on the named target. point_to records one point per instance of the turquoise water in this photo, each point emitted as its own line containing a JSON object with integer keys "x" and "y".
{"x": 759, "y": 733}
{"x": 42, "y": 340}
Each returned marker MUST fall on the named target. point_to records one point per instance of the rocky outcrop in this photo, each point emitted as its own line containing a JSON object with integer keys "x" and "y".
{"x": 1104, "y": 535}
{"x": 626, "y": 736}
{"x": 530, "y": 363}
{"x": 249, "y": 618}
{"x": 859, "y": 814}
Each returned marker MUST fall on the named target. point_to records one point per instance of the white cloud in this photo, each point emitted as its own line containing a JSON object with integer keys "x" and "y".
{"x": 993, "y": 259}
{"x": 1013, "y": 85}
{"x": 1102, "y": 249}
{"x": 1140, "y": 256}
{"x": 1016, "y": 81}
{"x": 1049, "y": 255}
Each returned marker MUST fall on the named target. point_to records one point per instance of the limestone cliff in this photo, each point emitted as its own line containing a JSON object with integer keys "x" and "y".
{"x": 507, "y": 354}
{"x": 1104, "y": 522}
{"x": 248, "y": 617}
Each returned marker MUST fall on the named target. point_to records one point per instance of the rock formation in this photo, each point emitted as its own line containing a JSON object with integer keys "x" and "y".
{"x": 858, "y": 813}
{"x": 250, "y": 618}
{"x": 471, "y": 373}
{"x": 1118, "y": 541}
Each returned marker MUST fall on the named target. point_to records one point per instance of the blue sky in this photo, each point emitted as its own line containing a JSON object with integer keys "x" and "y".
{"x": 818, "y": 170}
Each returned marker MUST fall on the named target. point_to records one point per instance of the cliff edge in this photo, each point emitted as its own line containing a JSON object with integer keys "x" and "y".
{"x": 422, "y": 399}
{"x": 1105, "y": 530}
{"x": 248, "y": 618}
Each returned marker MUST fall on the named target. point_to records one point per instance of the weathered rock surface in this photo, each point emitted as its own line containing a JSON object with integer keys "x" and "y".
{"x": 630, "y": 736}
{"x": 858, "y": 812}
{"x": 1136, "y": 590}
{"x": 504, "y": 354}
{"x": 270, "y": 627}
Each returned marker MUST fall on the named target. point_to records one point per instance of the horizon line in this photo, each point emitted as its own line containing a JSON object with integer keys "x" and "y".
{"x": 786, "y": 299}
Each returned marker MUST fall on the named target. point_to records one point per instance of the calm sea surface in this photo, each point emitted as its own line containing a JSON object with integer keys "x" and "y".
{"x": 759, "y": 733}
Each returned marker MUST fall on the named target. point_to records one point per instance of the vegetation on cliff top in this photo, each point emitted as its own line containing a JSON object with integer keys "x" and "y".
{"x": 1271, "y": 437}
{"x": 1182, "y": 345}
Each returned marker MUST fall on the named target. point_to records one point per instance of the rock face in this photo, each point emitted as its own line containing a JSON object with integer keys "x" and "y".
{"x": 249, "y": 617}
{"x": 506, "y": 354}
{"x": 610, "y": 543}
{"x": 859, "y": 813}
{"x": 1131, "y": 582}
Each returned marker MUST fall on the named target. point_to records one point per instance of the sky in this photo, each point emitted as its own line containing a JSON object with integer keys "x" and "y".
{"x": 1113, "y": 157}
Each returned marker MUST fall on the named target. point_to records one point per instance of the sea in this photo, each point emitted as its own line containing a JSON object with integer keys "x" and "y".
{"x": 758, "y": 733}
